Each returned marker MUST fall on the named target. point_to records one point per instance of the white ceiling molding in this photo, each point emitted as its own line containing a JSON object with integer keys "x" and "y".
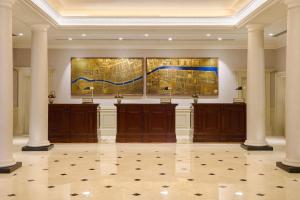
{"x": 62, "y": 21}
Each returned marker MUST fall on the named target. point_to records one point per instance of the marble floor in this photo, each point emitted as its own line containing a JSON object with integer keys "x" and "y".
{"x": 149, "y": 172}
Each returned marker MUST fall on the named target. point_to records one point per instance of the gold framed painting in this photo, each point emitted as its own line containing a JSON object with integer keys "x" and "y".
{"x": 107, "y": 76}
{"x": 185, "y": 76}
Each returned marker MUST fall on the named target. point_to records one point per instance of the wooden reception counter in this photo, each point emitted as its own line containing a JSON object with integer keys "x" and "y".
{"x": 219, "y": 122}
{"x": 73, "y": 123}
{"x": 146, "y": 123}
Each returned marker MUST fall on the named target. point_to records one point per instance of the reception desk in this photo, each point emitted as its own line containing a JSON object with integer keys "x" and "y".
{"x": 73, "y": 123}
{"x": 146, "y": 123}
{"x": 219, "y": 122}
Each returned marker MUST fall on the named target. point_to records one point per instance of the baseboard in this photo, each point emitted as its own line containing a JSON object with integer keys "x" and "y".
{"x": 107, "y": 139}
{"x": 41, "y": 148}
{"x": 256, "y": 148}
{"x": 287, "y": 168}
{"x": 10, "y": 169}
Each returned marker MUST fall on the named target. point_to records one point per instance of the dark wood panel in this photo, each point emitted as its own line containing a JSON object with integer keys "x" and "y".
{"x": 146, "y": 123}
{"x": 73, "y": 123}
{"x": 233, "y": 122}
{"x": 130, "y": 123}
{"x": 58, "y": 123}
{"x": 219, "y": 122}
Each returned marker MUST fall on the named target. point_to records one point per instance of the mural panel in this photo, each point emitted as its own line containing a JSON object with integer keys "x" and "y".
{"x": 108, "y": 76}
{"x": 185, "y": 76}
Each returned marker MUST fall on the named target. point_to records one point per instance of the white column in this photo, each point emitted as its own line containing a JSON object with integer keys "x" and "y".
{"x": 6, "y": 84}
{"x": 292, "y": 85}
{"x": 256, "y": 87}
{"x": 38, "y": 119}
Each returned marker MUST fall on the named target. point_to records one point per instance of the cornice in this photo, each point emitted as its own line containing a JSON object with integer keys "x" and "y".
{"x": 231, "y": 21}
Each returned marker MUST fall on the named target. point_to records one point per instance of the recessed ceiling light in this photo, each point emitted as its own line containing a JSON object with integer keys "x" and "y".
{"x": 208, "y": 35}
{"x": 70, "y": 38}
{"x": 239, "y": 193}
{"x": 170, "y": 39}
{"x": 146, "y": 35}
{"x": 83, "y": 35}
{"x": 87, "y": 193}
{"x": 271, "y": 34}
{"x": 20, "y": 34}
{"x": 120, "y": 38}
{"x": 165, "y": 192}
{"x": 219, "y": 38}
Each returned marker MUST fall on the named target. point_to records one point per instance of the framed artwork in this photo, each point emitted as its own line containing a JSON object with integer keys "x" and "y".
{"x": 107, "y": 76}
{"x": 184, "y": 76}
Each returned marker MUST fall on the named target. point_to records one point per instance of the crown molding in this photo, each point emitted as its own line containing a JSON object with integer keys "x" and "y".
{"x": 61, "y": 21}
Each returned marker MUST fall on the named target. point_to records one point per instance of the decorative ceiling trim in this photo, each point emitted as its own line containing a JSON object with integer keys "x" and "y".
{"x": 63, "y": 21}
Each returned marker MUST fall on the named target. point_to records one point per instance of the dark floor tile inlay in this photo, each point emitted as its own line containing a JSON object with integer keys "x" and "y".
{"x": 137, "y": 179}
{"x": 190, "y": 179}
{"x": 279, "y": 186}
{"x": 211, "y": 174}
{"x": 198, "y": 194}
{"x": 137, "y": 168}
{"x": 162, "y": 174}
{"x": 63, "y": 174}
{"x": 84, "y": 179}
{"x": 108, "y": 186}
{"x": 165, "y": 186}
{"x": 11, "y": 195}
{"x": 136, "y": 194}
{"x": 51, "y": 186}
{"x": 30, "y": 180}
{"x": 260, "y": 194}
{"x": 243, "y": 179}
{"x": 74, "y": 194}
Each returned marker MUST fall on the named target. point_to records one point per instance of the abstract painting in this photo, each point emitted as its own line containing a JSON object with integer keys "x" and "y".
{"x": 108, "y": 76}
{"x": 184, "y": 76}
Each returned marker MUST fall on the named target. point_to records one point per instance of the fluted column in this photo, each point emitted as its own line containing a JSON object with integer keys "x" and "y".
{"x": 7, "y": 162}
{"x": 292, "y": 114}
{"x": 256, "y": 90}
{"x": 38, "y": 115}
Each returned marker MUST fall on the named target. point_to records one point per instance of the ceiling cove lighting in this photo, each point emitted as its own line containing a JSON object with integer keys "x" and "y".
{"x": 83, "y": 35}
{"x": 170, "y": 39}
{"x": 271, "y": 34}
{"x": 208, "y": 35}
{"x": 219, "y": 38}
{"x": 120, "y": 38}
{"x": 20, "y": 34}
{"x": 70, "y": 38}
{"x": 146, "y": 35}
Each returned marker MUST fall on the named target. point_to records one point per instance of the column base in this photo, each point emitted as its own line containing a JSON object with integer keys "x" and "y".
{"x": 42, "y": 148}
{"x": 256, "y": 148}
{"x": 10, "y": 169}
{"x": 287, "y": 168}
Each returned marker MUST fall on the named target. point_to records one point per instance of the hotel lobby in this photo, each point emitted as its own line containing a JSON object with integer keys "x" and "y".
{"x": 133, "y": 99}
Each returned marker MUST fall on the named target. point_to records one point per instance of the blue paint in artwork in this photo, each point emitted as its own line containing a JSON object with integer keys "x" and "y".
{"x": 205, "y": 69}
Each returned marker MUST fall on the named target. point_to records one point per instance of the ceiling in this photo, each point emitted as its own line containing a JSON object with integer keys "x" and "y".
{"x": 146, "y": 8}
{"x": 148, "y": 37}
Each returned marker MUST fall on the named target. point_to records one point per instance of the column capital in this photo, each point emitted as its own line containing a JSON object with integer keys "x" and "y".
{"x": 292, "y": 3}
{"x": 7, "y": 3}
{"x": 40, "y": 27}
{"x": 255, "y": 27}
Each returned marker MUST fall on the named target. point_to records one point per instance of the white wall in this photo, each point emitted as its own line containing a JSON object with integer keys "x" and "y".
{"x": 59, "y": 59}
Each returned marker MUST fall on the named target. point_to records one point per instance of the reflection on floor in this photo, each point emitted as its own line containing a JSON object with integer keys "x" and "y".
{"x": 149, "y": 171}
